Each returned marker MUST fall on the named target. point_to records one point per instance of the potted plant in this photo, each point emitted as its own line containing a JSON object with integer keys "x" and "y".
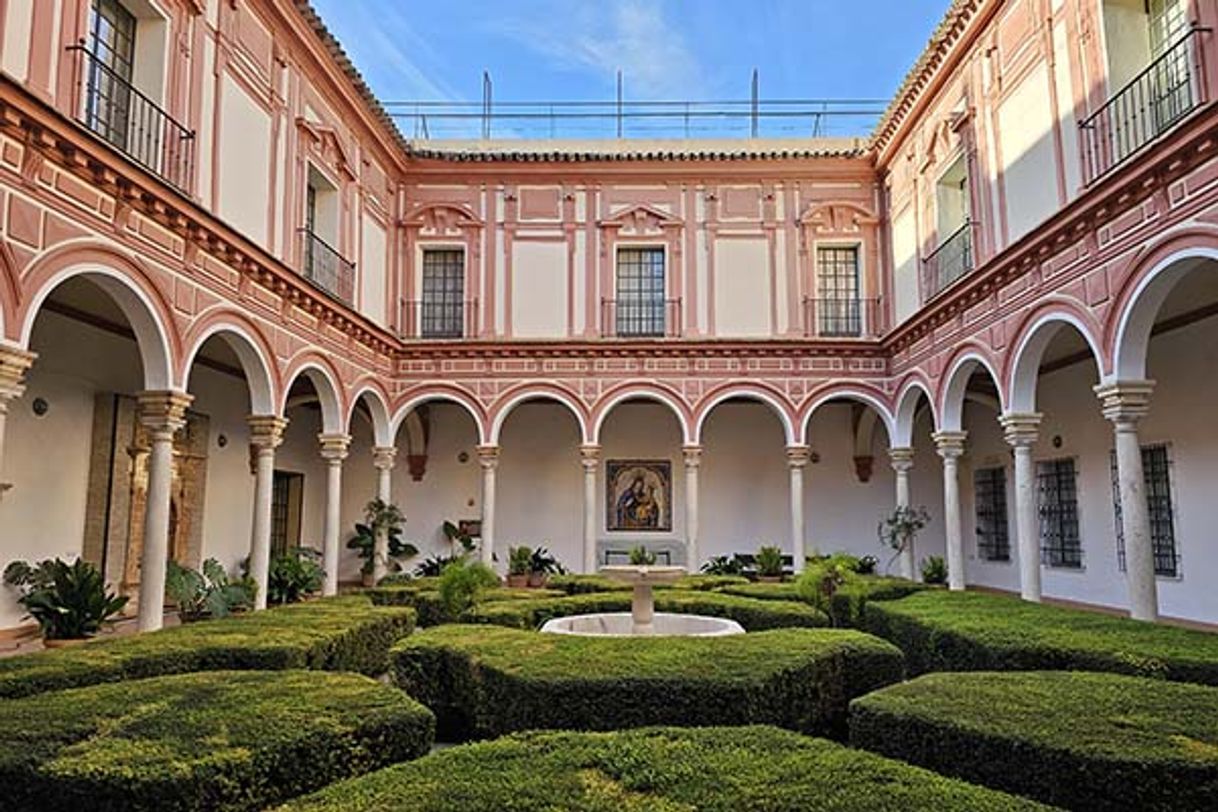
{"x": 294, "y": 576}
{"x": 769, "y": 564}
{"x": 934, "y": 570}
{"x": 640, "y": 557}
{"x": 458, "y": 538}
{"x": 201, "y": 595}
{"x": 898, "y": 532}
{"x": 541, "y": 566}
{"x": 433, "y": 565}
{"x": 69, "y": 601}
{"x": 380, "y": 517}
{"x": 520, "y": 563}
{"x": 723, "y": 565}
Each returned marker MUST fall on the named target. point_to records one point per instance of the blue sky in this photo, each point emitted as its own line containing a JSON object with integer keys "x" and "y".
{"x": 666, "y": 49}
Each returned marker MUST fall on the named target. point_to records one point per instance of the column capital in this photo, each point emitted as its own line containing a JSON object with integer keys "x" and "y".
{"x": 950, "y": 444}
{"x": 162, "y": 413}
{"x": 334, "y": 447}
{"x": 692, "y": 455}
{"x": 384, "y": 457}
{"x": 798, "y": 456}
{"x": 901, "y": 458}
{"x": 1125, "y": 402}
{"x": 13, "y": 366}
{"x": 590, "y": 456}
{"x": 266, "y": 431}
{"x": 1021, "y": 429}
{"x": 488, "y": 456}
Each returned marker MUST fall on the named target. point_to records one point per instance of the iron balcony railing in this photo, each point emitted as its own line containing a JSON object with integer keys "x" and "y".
{"x": 326, "y": 268}
{"x": 952, "y": 260}
{"x": 421, "y": 318}
{"x": 841, "y": 317}
{"x": 1151, "y": 104}
{"x": 120, "y": 114}
{"x": 641, "y": 318}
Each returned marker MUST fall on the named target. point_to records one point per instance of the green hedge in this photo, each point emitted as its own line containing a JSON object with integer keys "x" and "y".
{"x": 484, "y": 682}
{"x": 971, "y": 631}
{"x": 226, "y": 740}
{"x": 584, "y": 584}
{"x": 335, "y": 634}
{"x": 1072, "y": 739}
{"x": 656, "y": 770}
{"x": 431, "y": 612}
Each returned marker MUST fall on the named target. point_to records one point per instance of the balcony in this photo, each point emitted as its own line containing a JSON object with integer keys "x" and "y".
{"x": 841, "y": 317}
{"x": 439, "y": 320}
{"x": 952, "y": 260}
{"x": 641, "y": 318}
{"x": 1151, "y": 104}
{"x": 131, "y": 122}
{"x": 326, "y": 269}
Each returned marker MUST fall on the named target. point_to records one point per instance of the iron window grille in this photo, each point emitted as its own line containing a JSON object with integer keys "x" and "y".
{"x": 1156, "y": 470}
{"x": 442, "y": 308}
{"x": 838, "y": 311}
{"x": 990, "y": 496}
{"x": 950, "y": 261}
{"x": 1057, "y": 503}
{"x": 640, "y": 304}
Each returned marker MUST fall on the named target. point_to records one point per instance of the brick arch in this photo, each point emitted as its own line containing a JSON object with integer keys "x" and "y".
{"x": 252, "y": 349}
{"x": 1035, "y": 332}
{"x": 778, "y": 403}
{"x": 905, "y": 407}
{"x": 966, "y": 360}
{"x": 507, "y": 402}
{"x": 441, "y": 393}
{"x": 865, "y": 394}
{"x": 642, "y": 391}
{"x": 325, "y": 379}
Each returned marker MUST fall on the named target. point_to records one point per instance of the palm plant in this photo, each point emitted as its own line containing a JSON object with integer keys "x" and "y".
{"x": 68, "y": 601}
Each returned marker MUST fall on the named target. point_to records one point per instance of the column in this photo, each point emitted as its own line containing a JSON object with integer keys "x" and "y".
{"x": 161, "y": 414}
{"x": 488, "y": 458}
{"x": 333, "y": 451}
{"x": 13, "y": 365}
{"x": 1021, "y": 432}
{"x": 590, "y": 459}
{"x": 383, "y": 459}
{"x": 901, "y": 460}
{"x": 1125, "y": 403}
{"x": 693, "y": 461}
{"x": 950, "y": 445}
{"x": 797, "y": 459}
{"x": 266, "y": 434}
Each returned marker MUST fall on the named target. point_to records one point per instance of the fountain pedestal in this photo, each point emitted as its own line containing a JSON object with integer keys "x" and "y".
{"x": 642, "y": 599}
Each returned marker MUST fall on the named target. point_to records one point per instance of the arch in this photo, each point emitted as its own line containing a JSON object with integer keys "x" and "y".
{"x": 512, "y": 398}
{"x": 911, "y": 390}
{"x": 432, "y": 393}
{"x": 370, "y": 390}
{"x": 127, "y": 283}
{"x": 642, "y": 391}
{"x": 324, "y": 378}
{"x": 772, "y": 398}
{"x": 251, "y": 350}
{"x": 968, "y": 360}
{"x": 1024, "y": 365}
{"x": 1141, "y": 300}
{"x": 859, "y": 393}
{"x": 10, "y": 289}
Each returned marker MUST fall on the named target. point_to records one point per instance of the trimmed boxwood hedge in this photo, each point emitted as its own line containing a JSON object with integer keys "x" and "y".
{"x": 334, "y": 634}
{"x": 225, "y": 740}
{"x": 971, "y": 631}
{"x": 431, "y": 612}
{"x": 484, "y": 682}
{"x": 1072, "y": 739}
{"x": 657, "y": 769}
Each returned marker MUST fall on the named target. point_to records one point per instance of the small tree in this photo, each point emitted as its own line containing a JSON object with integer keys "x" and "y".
{"x": 899, "y": 530}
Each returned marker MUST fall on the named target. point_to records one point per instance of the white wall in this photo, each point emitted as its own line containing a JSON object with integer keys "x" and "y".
{"x": 742, "y": 288}
{"x": 1029, "y": 164}
{"x": 906, "y": 264}
{"x": 245, "y": 154}
{"x": 539, "y": 289}
{"x": 15, "y": 58}
{"x": 372, "y": 271}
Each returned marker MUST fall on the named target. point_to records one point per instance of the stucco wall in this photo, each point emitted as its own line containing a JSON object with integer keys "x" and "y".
{"x": 243, "y": 175}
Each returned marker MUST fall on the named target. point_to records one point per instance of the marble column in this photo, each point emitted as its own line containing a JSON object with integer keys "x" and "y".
{"x": 950, "y": 445}
{"x": 590, "y": 460}
{"x": 1125, "y": 403}
{"x": 333, "y": 451}
{"x": 902, "y": 460}
{"x": 161, "y": 414}
{"x": 1021, "y": 432}
{"x": 383, "y": 459}
{"x": 266, "y": 434}
{"x": 488, "y": 458}
{"x": 797, "y": 460}
{"x": 13, "y": 366}
{"x": 693, "y": 461}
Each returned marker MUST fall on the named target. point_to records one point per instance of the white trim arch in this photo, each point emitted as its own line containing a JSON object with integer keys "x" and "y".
{"x": 254, "y": 364}
{"x": 328, "y": 393}
{"x": 603, "y": 411}
{"x": 951, "y": 408}
{"x": 1025, "y": 366}
{"x": 378, "y": 410}
{"x": 780, "y": 410}
{"x": 501, "y": 411}
{"x": 850, "y": 394}
{"x": 403, "y": 411}
{"x": 907, "y": 411}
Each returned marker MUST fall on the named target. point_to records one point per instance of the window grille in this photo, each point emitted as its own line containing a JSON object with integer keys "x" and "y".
{"x": 442, "y": 309}
{"x": 112, "y": 45}
{"x": 990, "y": 496}
{"x": 1156, "y": 469}
{"x": 640, "y": 293}
{"x": 837, "y": 310}
{"x": 1057, "y": 490}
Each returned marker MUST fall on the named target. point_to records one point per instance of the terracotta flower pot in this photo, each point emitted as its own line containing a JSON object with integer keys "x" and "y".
{"x": 517, "y": 581}
{"x": 367, "y": 579}
{"x": 66, "y": 643}
{"x": 536, "y": 580}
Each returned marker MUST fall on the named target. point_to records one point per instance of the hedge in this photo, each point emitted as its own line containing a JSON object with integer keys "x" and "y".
{"x": 484, "y": 682}
{"x": 335, "y": 634}
{"x": 657, "y": 769}
{"x": 226, "y": 740}
{"x": 1072, "y": 739}
{"x": 583, "y": 584}
{"x": 970, "y": 631}
{"x": 431, "y": 611}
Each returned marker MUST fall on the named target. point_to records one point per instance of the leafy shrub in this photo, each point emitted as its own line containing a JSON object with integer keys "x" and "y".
{"x": 460, "y": 584}
{"x": 397, "y": 579}
{"x": 430, "y": 608}
{"x": 386, "y": 518}
{"x": 822, "y": 580}
{"x": 68, "y": 601}
{"x": 519, "y": 560}
{"x": 934, "y": 570}
{"x": 542, "y": 562}
{"x": 433, "y": 565}
{"x": 585, "y": 584}
{"x": 208, "y": 593}
{"x": 1071, "y": 739}
{"x": 769, "y": 562}
{"x": 224, "y": 740}
{"x": 971, "y": 631}
{"x": 706, "y": 583}
{"x": 723, "y": 565}
{"x": 669, "y": 769}
{"x": 333, "y": 634}
{"x": 293, "y": 576}
{"x": 485, "y": 682}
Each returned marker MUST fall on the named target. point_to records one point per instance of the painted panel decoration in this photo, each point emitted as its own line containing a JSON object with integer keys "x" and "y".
{"x": 639, "y": 496}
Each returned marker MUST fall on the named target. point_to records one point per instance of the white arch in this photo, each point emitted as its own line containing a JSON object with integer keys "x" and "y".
{"x": 403, "y": 411}
{"x": 502, "y": 412}
{"x": 788, "y": 426}
{"x": 382, "y": 426}
{"x": 1137, "y": 319}
{"x": 1021, "y": 396}
{"x": 907, "y": 410}
{"x": 327, "y": 393}
{"x": 640, "y": 394}
{"x": 857, "y": 395}
{"x": 254, "y": 364}
{"x": 951, "y": 410}
{"x": 151, "y": 335}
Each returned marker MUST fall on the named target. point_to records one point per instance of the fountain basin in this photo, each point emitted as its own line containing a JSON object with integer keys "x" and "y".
{"x": 622, "y": 624}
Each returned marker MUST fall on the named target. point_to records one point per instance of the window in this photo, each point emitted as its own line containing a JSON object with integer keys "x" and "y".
{"x": 442, "y": 310}
{"x": 108, "y": 94}
{"x": 1156, "y": 468}
{"x": 640, "y": 292}
{"x": 837, "y": 282}
{"x": 1167, "y": 19}
{"x": 286, "y": 497}
{"x": 1057, "y": 493}
{"x": 990, "y": 495}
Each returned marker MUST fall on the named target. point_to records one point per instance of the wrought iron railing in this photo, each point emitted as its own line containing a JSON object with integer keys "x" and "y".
{"x": 641, "y": 318}
{"x": 326, "y": 268}
{"x": 421, "y": 318}
{"x": 841, "y": 317}
{"x": 952, "y": 260}
{"x": 120, "y": 114}
{"x": 1148, "y": 106}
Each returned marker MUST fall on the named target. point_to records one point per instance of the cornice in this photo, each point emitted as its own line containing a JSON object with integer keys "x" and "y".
{"x": 796, "y": 349}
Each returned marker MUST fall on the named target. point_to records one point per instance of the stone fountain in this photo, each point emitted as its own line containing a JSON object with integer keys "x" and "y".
{"x": 642, "y": 620}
